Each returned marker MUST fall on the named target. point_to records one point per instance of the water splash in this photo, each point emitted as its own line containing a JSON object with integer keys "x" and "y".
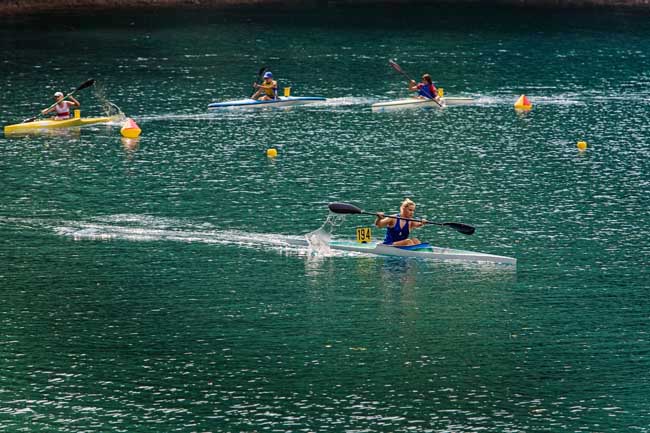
{"x": 108, "y": 107}
{"x": 318, "y": 240}
{"x": 137, "y": 228}
{"x": 146, "y": 228}
{"x": 209, "y": 116}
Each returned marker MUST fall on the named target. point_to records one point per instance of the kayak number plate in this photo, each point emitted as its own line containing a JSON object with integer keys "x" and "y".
{"x": 364, "y": 235}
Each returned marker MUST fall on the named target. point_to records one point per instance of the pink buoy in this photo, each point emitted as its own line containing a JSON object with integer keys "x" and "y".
{"x": 130, "y": 129}
{"x": 523, "y": 103}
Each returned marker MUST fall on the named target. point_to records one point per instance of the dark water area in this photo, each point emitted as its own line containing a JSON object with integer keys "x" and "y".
{"x": 156, "y": 284}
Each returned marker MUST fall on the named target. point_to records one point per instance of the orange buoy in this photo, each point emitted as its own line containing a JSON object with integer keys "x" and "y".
{"x": 523, "y": 103}
{"x": 130, "y": 129}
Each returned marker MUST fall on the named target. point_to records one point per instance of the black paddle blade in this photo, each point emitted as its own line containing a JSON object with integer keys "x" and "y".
{"x": 85, "y": 84}
{"x": 462, "y": 228}
{"x": 344, "y": 208}
{"x": 31, "y": 119}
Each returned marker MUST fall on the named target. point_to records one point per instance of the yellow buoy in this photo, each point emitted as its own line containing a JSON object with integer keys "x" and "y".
{"x": 130, "y": 129}
{"x": 582, "y": 145}
{"x": 523, "y": 103}
{"x": 441, "y": 92}
{"x": 287, "y": 91}
{"x": 271, "y": 153}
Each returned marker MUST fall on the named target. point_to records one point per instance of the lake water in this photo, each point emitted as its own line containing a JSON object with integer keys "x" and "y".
{"x": 150, "y": 285}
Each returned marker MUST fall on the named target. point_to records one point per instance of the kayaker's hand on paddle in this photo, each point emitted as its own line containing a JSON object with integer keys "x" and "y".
{"x": 378, "y": 220}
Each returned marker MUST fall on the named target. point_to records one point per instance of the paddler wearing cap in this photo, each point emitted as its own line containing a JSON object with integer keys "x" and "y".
{"x": 62, "y": 107}
{"x": 268, "y": 90}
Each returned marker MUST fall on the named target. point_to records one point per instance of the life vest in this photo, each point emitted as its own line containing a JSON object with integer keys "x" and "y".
{"x": 272, "y": 89}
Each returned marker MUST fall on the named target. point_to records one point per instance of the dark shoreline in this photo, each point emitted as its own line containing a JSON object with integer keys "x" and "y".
{"x": 27, "y": 7}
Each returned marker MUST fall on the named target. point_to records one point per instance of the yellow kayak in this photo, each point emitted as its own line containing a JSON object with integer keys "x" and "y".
{"x": 21, "y": 128}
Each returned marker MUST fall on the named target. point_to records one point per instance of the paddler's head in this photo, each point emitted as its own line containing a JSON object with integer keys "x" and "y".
{"x": 58, "y": 96}
{"x": 407, "y": 208}
{"x": 268, "y": 76}
{"x": 427, "y": 79}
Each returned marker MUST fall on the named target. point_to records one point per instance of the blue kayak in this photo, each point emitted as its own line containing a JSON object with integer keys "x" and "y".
{"x": 282, "y": 101}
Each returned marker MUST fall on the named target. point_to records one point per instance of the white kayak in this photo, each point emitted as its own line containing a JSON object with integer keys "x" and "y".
{"x": 424, "y": 251}
{"x": 459, "y": 101}
{"x": 282, "y": 101}
{"x": 421, "y": 103}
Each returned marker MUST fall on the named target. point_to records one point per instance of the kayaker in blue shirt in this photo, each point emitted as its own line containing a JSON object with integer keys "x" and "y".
{"x": 398, "y": 230}
{"x": 426, "y": 89}
{"x": 268, "y": 90}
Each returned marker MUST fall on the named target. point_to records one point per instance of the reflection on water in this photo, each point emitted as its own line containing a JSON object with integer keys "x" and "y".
{"x": 130, "y": 145}
{"x": 59, "y": 133}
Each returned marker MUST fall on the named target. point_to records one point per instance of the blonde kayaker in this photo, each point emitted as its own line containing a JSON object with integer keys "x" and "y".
{"x": 268, "y": 90}
{"x": 397, "y": 230}
{"x": 62, "y": 107}
{"x": 426, "y": 89}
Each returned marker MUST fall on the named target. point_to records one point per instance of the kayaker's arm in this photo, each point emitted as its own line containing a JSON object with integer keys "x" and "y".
{"x": 72, "y": 99}
{"x": 382, "y": 222}
{"x": 257, "y": 92}
{"x": 418, "y": 224}
{"x": 261, "y": 89}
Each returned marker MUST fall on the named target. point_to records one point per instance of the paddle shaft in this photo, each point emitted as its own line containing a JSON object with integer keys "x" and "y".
{"x": 347, "y": 208}
{"x": 459, "y": 227}
{"x": 402, "y": 218}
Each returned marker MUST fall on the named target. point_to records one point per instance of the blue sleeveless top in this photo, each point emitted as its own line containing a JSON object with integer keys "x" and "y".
{"x": 397, "y": 232}
{"x": 427, "y": 90}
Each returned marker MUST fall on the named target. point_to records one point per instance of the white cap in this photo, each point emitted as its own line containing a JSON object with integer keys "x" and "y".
{"x": 57, "y": 94}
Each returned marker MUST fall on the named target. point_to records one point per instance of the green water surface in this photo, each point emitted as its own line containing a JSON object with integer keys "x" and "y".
{"x": 151, "y": 285}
